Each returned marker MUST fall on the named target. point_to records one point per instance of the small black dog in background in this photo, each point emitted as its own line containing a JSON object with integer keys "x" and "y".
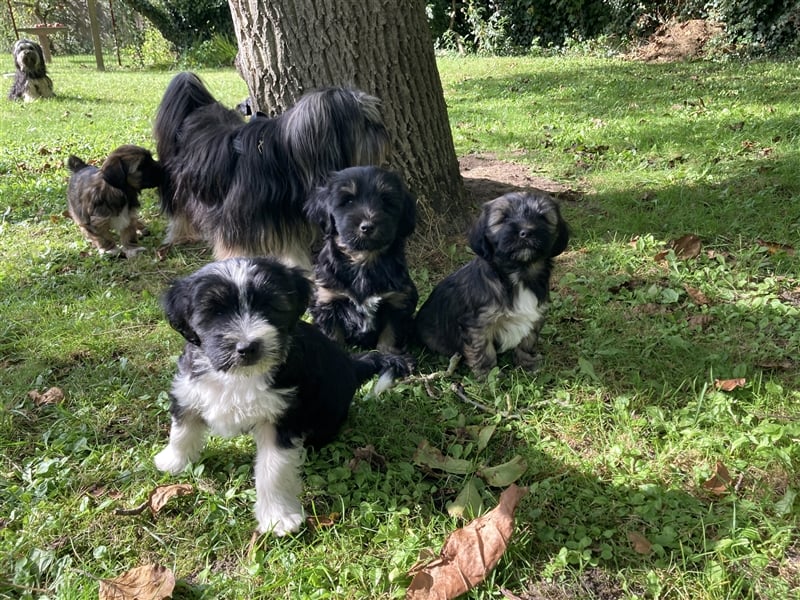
{"x": 364, "y": 293}
{"x": 498, "y": 301}
{"x": 30, "y": 77}
{"x": 106, "y": 199}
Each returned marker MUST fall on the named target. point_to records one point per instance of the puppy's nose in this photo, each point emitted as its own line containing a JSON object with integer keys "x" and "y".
{"x": 247, "y": 349}
{"x": 526, "y": 232}
{"x": 366, "y": 227}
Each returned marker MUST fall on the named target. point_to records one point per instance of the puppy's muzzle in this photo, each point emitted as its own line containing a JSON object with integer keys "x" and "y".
{"x": 249, "y": 352}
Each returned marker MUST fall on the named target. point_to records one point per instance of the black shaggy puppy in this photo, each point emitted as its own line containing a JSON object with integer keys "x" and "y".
{"x": 498, "y": 301}
{"x": 241, "y": 185}
{"x": 250, "y": 365}
{"x": 30, "y": 73}
{"x": 107, "y": 199}
{"x": 364, "y": 293}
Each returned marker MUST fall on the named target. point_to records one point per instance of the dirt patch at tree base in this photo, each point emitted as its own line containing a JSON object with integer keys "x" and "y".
{"x": 674, "y": 41}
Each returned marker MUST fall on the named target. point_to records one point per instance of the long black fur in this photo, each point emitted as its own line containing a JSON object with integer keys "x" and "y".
{"x": 498, "y": 301}
{"x": 364, "y": 293}
{"x": 30, "y": 75}
{"x": 241, "y": 185}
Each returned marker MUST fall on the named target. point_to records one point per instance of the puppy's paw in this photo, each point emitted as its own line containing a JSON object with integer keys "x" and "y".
{"x": 170, "y": 461}
{"x": 280, "y": 523}
{"x": 529, "y": 361}
{"x": 133, "y": 251}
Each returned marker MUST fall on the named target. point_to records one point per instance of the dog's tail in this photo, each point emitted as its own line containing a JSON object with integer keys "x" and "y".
{"x": 184, "y": 95}
{"x": 75, "y": 164}
{"x": 388, "y": 366}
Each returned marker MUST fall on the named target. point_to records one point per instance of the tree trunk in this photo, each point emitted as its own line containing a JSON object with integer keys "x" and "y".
{"x": 380, "y": 46}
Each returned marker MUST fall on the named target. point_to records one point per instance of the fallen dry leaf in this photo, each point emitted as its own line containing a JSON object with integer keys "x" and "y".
{"x": 699, "y": 321}
{"x": 775, "y": 247}
{"x": 164, "y": 493}
{"x": 53, "y": 395}
{"x": 433, "y": 458}
{"x": 369, "y": 455}
{"x": 720, "y": 482}
{"x": 696, "y": 295}
{"x": 148, "y": 582}
{"x": 728, "y": 385}
{"x": 469, "y": 553}
{"x": 641, "y": 545}
{"x": 315, "y": 522}
{"x": 687, "y": 246}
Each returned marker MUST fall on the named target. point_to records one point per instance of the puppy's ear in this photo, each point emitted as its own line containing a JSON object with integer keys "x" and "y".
{"x": 317, "y": 211}
{"x": 562, "y": 235}
{"x": 479, "y": 236}
{"x": 115, "y": 172}
{"x": 177, "y": 304}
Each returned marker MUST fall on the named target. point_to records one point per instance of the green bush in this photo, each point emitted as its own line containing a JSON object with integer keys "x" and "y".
{"x": 218, "y": 51}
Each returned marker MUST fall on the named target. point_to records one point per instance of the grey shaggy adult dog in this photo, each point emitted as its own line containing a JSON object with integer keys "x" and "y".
{"x": 241, "y": 185}
{"x": 498, "y": 301}
{"x": 30, "y": 77}
{"x": 106, "y": 199}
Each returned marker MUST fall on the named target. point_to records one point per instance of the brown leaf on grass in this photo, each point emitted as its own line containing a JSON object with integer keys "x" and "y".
{"x": 687, "y": 246}
{"x": 720, "y": 482}
{"x": 164, "y": 493}
{"x": 696, "y": 295}
{"x": 775, "y": 247}
{"x": 699, "y": 321}
{"x": 149, "y": 582}
{"x": 641, "y": 545}
{"x": 369, "y": 455}
{"x": 728, "y": 385}
{"x": 315, "y": 522}
{"x": 53, "y": 395}
{"x": 157, "y": 499}
{"x": 469, "y": 553}
{"x": 428, "y": 456}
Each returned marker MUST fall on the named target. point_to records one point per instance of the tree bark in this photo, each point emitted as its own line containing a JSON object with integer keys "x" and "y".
{"x": 383, "y": 47}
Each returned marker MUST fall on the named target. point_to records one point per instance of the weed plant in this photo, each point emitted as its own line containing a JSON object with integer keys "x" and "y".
{"x": 646, "y": 478}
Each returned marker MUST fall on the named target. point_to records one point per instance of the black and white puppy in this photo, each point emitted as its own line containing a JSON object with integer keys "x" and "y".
{"x": 498, "y": 301}
{"x": 30, "y": 76}
{"x": 251, "y": 365}
{"x": 107, "y": 199}
{"x": 364, "y": 293}
{"x": 241, "y": 185}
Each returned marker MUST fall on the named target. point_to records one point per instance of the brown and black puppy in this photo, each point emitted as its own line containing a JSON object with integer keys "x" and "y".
{"x": 498, "y": 301}
{"x": 364, "y": 293}
{"x": 107, "y": 199}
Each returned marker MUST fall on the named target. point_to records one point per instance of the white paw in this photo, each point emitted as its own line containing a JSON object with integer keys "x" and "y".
{"x": 279, "y": 524}
{"x": 133, "y": 251}
{"x": 170, "y": 461}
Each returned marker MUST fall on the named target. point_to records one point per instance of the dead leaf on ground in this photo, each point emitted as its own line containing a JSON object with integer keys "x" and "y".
{"x": 775, "y": 247}
{"x": 641, "y": 545}
{"x": 687, "y": 246}
{"x": 469, "y": 553}
{"x": 53, "y": 395}
{"x": 429, "y": 456}
{"x": 699, "y": 321}
{"x": 157, "y": 499}
{"x": 369, "y": 455}
{"x": 720, "y": 482}
{"x": 149, "y": 582}
{"x": 164, "y": 493}
{"x": 696, "y": 295}
{"x": 315, "y": 522}
{"x": 728, "y": 385}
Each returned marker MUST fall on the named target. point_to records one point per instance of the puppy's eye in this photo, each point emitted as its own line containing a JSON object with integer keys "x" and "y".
{"x": 346, "y": 199}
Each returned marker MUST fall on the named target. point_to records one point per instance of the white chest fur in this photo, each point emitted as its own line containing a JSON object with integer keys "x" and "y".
{"x": 515, "y": 324}
{"x": 231, "y": 404}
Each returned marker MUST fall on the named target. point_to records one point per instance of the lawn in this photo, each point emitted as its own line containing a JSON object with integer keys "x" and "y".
{"x": 660, "y": 440}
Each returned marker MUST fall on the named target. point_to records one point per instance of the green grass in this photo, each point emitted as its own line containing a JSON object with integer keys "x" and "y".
{"x": 620, "y": 429}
